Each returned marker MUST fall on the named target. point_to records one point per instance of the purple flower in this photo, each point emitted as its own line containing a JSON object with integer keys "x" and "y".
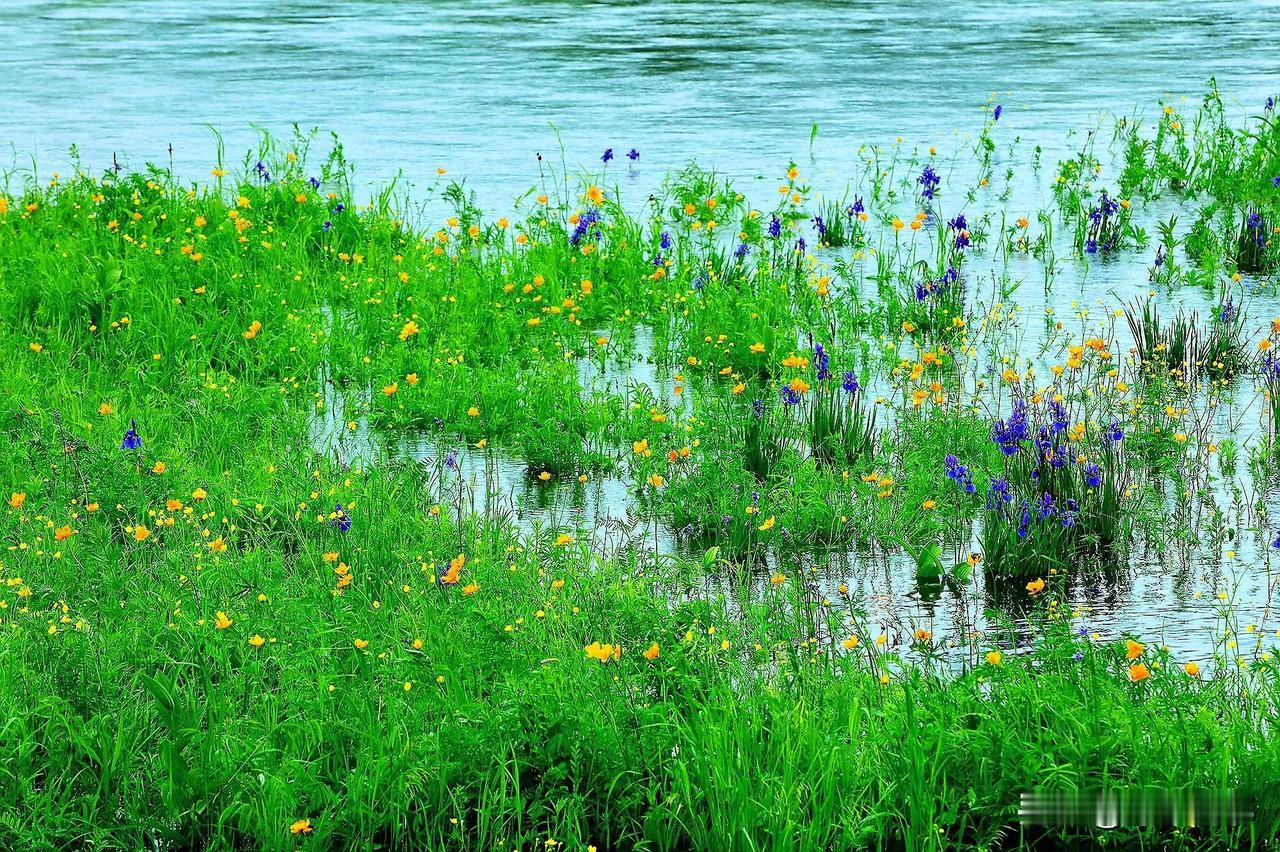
{"x": 606, "y": 156}
{"x": 775, "y": 227}
{"x": 315, "y": 182}
{"x": 999, "y": 110}
{"x": 789, "y": 396}
{"x": 585, "y": 221}
{"x": 929, "y": 182}
{"x": 821, "y": 226}
{"x": 340, "y": 521}
{"x": 633, "y": 155}
{"x": 1114, "y": 433}
{"x": 850, "y": 384}
{"x": 959, "y": 474}
{"x": 820, "y": 362}
{"x": 131, "y": 440}
{"x": 1092, "y": 475}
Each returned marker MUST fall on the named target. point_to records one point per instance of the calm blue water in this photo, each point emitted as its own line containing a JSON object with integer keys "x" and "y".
{"x": 476, "y": 87}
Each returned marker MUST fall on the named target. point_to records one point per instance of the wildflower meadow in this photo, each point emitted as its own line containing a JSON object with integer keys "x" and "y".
{"x": 814, "y": 513}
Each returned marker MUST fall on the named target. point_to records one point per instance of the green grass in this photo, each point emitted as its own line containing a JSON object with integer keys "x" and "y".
{"x": 194, "y": 654}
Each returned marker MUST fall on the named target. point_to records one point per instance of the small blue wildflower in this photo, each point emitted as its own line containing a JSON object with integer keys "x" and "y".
{"x": 131, "y": 440}
{"x": 821, "y": 362}
{"x": 929, "y": 182}
{"x": 606, "y": 156}
{"x": 633, "y": 155}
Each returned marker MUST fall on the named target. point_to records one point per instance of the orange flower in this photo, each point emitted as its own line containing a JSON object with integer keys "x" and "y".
{"x": 455, "y": 568}
{"x": 1133, "y": 649}
{"x": 652, "y": 652}
{"x": 1036, "y": 586}
{"x": 62, "y": 533}
{"x": 17, "y": 499}
{"x": 1138, "y": 671}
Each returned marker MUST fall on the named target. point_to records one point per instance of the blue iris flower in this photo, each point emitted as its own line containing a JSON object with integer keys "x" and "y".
{"x": 131, "y": 440}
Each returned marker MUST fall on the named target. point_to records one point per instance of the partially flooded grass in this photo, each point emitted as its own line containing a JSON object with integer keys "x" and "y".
{"x": 332, "y": 524}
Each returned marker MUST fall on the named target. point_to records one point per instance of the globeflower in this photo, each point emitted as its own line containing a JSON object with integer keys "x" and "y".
{"x": 603, "y": 653}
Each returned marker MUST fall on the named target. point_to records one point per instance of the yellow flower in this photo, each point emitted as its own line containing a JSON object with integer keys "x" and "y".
{"x": 1138, "y": 671}
{"x": 603, "y": 653}
{"x": 361, "y": 644}
{"x": 105, "y": 409}
{"x": 563, "y": 539}
{"x": 159, "y": 468}
{"x": 1192, "y": 668}
{"x": 1133, "y": 649}
{"x": 302, "y": 826}
{"x": 595, "y": 194}
{"x": 141, "y": 533}
{"x": 544, "y": 476}
{"x": 657, "y": 480}
{"x": 768, "y": 524}
{"x": 778, "y": 579}
{"x": 257, "y": 641}
{"x": 473, "y": 412}
{"x": 36, "y": 348}
{"x": 390, "y": 389}
{"x": 651, "y": 653}
{"x": 221, "y": 621}
{"x": 1036, "y": 586}
{"x": 218, "y": 545}
{"x": 199, "y": 494}
{"x": 850, "y": 643}
{"x": 17, "y": 499}
{"x": 994, "y": 657}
